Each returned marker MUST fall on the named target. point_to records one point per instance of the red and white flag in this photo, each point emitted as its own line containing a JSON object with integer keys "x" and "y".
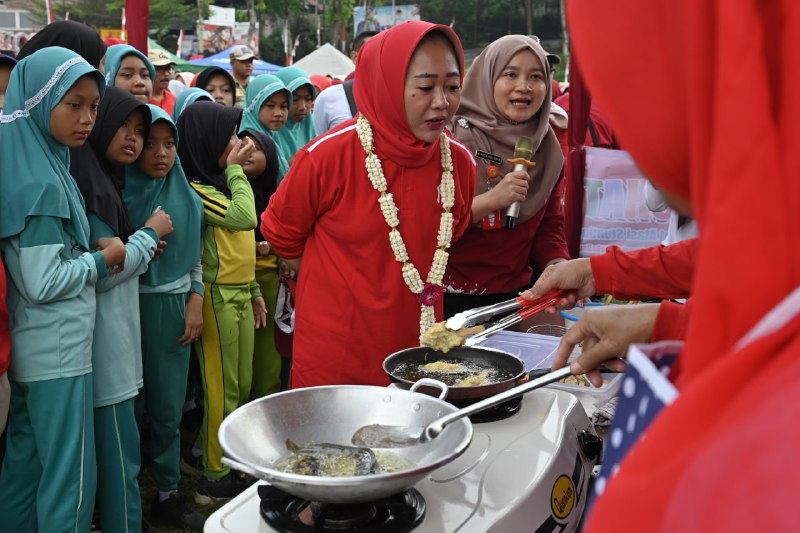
{"x": 48, "y": 4}
{"x": 179, "y": 51}
{"x": 122, "y": 33}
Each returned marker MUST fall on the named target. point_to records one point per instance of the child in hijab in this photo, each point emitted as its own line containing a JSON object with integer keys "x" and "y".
{"x": 299, "y": 129}
{"x": 49, "y": 474}
{"x": 79, "y": 38}
{"x": 507, "y": 96}
{"x": 129, "y": 69}
{"x": 99, "y": 169}
{"x": 261, "y": 170}
{"x": 266, "y": 109}
{"x": 170, "y": 304}
{"x": 219, "y": 83}
{"x": 212, "y": 157}
{"x": 187, "y": 98}
{"x": 374, "y": 243}
{"x": 7, "y": 64}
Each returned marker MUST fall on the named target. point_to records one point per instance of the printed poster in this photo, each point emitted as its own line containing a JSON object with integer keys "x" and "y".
{"x": 382, "y": 17}
{"x": 616, "y": 212}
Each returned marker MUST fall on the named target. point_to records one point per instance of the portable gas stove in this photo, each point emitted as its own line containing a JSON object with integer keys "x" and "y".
{"x": 529, "y": 471}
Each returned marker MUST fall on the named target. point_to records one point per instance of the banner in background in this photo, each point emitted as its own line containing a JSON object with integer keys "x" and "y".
{"x": 615, "y": 209}
{"x": 216, "y": 38}
{"x": 221, "y": 16}
{"x": 381, "y": 18}
{"x": 240, "y": 30}
{"x": 115, "y": 33}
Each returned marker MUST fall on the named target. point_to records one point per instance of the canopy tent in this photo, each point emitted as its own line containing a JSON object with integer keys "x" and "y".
{"x": 223, "y": 60}
{"x": 326, "y": 60}
{"x": 181, "y": 65}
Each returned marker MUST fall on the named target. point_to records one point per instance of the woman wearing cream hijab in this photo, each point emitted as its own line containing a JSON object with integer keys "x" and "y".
{"x": 507, "y": 95}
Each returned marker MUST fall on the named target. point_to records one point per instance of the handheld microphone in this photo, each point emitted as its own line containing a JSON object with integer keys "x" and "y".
{"x": 523, "y": 152}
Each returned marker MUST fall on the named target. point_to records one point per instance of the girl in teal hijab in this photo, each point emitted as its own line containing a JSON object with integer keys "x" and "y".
{"x": 49, "y": 467}
{"x": 129, "y": 69}
{"x": 170, "y": 307}
{"x": 266, "y": 108}
{"x": 299, "y": 129}
{"x": 187, "y": 98}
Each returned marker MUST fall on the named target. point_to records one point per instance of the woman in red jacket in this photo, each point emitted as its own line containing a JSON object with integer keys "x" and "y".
{"x": 723, "y": 455}
{"x": 372, "y": 207}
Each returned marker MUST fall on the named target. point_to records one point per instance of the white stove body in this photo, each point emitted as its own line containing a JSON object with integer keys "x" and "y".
{"x": 522, "y": 474}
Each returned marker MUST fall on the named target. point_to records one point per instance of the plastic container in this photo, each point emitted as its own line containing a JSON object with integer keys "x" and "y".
{"x": 536, "y": 350}
{"x": 571, "y": 316}
{"x": 590, "y": 397}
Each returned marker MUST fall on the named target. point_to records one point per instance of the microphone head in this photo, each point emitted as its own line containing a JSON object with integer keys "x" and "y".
{"x": 524, "y": 148}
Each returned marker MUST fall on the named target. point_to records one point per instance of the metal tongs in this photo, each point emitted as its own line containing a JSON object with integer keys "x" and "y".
{"x": 525, "y": 308}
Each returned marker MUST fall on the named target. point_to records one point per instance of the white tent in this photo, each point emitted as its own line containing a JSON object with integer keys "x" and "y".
{"x": 326, "y": 60}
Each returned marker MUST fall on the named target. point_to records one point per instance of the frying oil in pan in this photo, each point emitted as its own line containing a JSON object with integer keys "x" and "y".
{"x": 453, "y": 372}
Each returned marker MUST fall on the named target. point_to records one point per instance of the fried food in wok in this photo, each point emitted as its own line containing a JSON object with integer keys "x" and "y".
{"x": 332, "y": 460}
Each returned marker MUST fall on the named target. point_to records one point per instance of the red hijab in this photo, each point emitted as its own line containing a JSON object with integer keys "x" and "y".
{"x": 380, "y": 87}
{"x": 723, "y": 457}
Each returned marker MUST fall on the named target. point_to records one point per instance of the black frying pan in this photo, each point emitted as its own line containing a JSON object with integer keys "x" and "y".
{"x": 484, "y": 357}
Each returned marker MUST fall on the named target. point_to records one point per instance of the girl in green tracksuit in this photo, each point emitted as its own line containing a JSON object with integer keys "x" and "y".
{"x": 170, "y": 305}
{"x": 212, "y": 157}
{"x": 99, "y": 169}
{"x": 48, "y": 477}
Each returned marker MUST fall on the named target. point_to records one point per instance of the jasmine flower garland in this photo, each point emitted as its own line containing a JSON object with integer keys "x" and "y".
{"x": 427, "y": 293}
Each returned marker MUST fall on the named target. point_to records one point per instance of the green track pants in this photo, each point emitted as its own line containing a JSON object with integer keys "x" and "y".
{"x": 49, "y": 475}
{"x": 225, "y": 353}
{"x": 166, "y": 366}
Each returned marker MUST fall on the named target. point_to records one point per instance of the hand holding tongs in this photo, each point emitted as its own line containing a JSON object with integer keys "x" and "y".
{"x": 525, "y": 308}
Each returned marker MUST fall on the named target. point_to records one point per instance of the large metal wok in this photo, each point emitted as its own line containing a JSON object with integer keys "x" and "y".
{"x": 254, "y": 436}
{"x": 460, "y": 396}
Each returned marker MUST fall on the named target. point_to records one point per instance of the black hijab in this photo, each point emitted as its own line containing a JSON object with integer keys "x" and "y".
{"x": 75, "y": 36}
{"x": 264, "y": 185}
{"x": 202, "y": 78}
{"x": 204, "y": 132}
{"x": 99, "y": 181}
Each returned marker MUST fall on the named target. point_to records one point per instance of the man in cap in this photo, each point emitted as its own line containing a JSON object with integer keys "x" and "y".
{"x": 242, "y": 63}
{"x": 163, "y": 64}
{"x": 553, "y": 60}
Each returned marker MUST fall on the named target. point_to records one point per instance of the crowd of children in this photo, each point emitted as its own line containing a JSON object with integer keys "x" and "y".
{"x": 131, "y": 242}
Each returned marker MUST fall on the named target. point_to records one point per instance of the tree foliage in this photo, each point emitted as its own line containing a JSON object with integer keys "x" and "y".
{"x": 479, "y": 22}
{"x": 164, "y": 14}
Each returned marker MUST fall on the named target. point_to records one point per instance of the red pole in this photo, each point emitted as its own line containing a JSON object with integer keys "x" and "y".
{"x": 136, "y": 13}
{"x": 580, "y": 103}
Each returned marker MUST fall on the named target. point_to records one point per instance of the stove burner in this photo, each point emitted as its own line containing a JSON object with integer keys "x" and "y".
{"x": 499, "y": 412}
{"x": 396, "y": 514}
